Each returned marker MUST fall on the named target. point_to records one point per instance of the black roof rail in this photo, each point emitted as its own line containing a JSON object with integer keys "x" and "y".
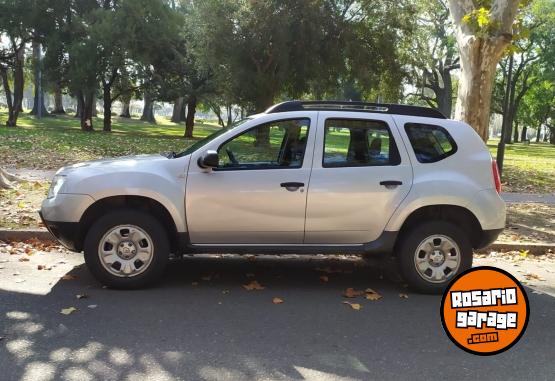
{"x": 386, "y": 108}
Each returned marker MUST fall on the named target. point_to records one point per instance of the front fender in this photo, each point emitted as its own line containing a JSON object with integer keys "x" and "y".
{"x": 166, "y": 189}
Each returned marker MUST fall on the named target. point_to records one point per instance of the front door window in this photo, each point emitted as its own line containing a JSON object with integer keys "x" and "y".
{"x": 274, "y": 145}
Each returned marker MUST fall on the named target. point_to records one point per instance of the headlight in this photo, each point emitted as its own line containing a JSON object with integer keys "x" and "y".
{"x": 56, "y": 185}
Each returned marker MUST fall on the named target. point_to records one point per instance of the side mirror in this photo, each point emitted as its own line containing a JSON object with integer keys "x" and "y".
{"x": 209, "y": 159}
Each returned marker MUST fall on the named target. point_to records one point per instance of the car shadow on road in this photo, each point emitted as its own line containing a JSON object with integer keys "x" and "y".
{"x": 200, "y": 323}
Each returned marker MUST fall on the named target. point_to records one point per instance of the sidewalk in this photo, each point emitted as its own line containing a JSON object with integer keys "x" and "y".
{"x": 512, "y": 198}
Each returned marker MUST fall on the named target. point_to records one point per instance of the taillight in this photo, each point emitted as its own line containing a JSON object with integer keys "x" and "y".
{"x": 496, "y": 177}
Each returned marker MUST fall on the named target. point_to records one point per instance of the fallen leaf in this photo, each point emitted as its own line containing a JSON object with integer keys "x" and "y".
{"x": 81, "y": 296}
{"x": 403, "y": 296}
{"x": 354, "y": 306}
{"x": 21, "y": 204}
{"x": 324, "y": 278}
{"x": 40, "y": 267}
{"x": 352, "y": 293}
{"x": 67, "y": 311}
{"x": 23, "y": 259}
{"x": 69, "y": 277}
{"x": 254, "y": 285}
{"x": 277, "y": 300}
{"x": 372, "y": 295}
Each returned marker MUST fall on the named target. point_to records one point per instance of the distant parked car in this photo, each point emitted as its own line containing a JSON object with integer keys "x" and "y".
{"x": 303, "y": 177}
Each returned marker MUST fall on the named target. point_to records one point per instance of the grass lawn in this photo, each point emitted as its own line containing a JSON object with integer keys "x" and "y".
{"x": 52, "y": 142}
{"x": 528, "y": 167}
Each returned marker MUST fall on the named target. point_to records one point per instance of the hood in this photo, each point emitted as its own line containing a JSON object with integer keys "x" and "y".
{"x": 114, "y": 164}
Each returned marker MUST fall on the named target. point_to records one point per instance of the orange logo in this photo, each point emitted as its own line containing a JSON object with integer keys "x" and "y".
{"x": 485, "y": 310}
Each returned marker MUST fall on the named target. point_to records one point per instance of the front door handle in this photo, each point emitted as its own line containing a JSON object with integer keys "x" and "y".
{"x": 391, "y": 183}
{"x": 292, "y": 185}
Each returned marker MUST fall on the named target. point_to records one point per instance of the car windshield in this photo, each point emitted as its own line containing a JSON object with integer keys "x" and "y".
{"x": 202, "y": 142}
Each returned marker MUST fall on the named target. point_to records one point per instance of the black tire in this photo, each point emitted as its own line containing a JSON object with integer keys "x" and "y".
{"x": 146, "y": 222}
{"x": 409, "y": 243}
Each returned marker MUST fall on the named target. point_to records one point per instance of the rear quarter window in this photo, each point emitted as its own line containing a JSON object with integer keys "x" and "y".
{"x": 430, "y": 143}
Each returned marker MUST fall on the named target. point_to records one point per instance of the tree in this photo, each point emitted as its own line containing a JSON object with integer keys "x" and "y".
{"x": 433, "y": 56}
{"x": 17, "y": 27}
{"x": 484, "y": 29}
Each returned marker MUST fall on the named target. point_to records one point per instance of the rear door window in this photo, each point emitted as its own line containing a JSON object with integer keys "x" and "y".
{"x": 358, "y": 143}
{"x": 430, "y": 143}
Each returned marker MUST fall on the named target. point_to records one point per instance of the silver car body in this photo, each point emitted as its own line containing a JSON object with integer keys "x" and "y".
{"x": 336, "y": 206}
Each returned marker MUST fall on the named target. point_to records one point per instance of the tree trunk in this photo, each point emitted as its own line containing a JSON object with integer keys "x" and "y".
{"x": 538, "y": 133}
{"x": 39, "y": 91}
{"x": 177, "y": 108}
{"x": 58, "y": 100}
{"x": 551, "y": 135}
{"x": 125, "y": 106}
{"x": 524, "y": 134}
{"x": 515, "y": 132}
{"x": 107, "y": 99}
{"x": 8, "y": 93}
{"x": 229, "y": 109}
{"x": 18, "y": 88}
{"x": 87, "y": 111}
{"x": 263, "y": 134}
{"x": 191, "y": 110}
{"x": 148, "y": 109}
{"x": 479, "y": 56}
{"x": 80, "y": 103}
{"x": 183, "y": 112}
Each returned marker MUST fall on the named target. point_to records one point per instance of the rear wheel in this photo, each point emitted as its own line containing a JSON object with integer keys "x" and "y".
{"x": 126, "y": 249}
{"x": 432, "y": 254}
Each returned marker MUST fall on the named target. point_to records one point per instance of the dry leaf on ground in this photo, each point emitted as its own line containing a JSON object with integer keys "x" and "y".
{"x": 254, "y": 285}
{"x": 23, "y": 259}
{"x": 277, "y": 300}
{"x": 403, "y": 296}
{"x": 67, "y": 311}
{"x": 352, "y": 293}
{"x": 354, "y": 306}
{"x": 372, "y": 295}
{"x": 69, "y": 277}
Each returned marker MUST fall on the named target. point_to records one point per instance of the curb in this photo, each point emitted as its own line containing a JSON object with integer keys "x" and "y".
{"x": 532, "y": 248}
{"x": 25, "y": 234}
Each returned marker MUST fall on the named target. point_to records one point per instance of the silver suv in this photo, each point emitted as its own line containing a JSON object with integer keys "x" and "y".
{"x": 302, "y": 177}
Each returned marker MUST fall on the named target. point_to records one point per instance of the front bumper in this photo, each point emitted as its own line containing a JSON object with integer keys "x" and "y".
{"x": 62, "y": 215}
{"x": 67, "y": 233}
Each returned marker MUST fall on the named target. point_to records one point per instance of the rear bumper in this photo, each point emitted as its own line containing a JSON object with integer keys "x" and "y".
{"x": 68, "y": 233}
{"x": 488, "y": 237}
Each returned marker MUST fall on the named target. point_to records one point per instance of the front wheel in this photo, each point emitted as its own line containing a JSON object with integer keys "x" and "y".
{"x": 126, "y": 249}
{"x": 432, "y": 254}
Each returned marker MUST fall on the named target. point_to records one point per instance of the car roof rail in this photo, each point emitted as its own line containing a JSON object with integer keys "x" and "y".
{"x": 386, "y": 108}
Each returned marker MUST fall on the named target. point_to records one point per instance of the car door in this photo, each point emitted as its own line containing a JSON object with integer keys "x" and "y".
{"x": 361, "y": 173}
{"x": 257, "y": 193}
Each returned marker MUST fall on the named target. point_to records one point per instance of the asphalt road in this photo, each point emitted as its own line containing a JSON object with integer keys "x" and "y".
{"x": 217, "y": 330}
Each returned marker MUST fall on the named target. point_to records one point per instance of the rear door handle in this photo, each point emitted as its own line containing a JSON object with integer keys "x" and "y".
{"x": 292, "y": 185}
{"x": 391, "y": 183}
